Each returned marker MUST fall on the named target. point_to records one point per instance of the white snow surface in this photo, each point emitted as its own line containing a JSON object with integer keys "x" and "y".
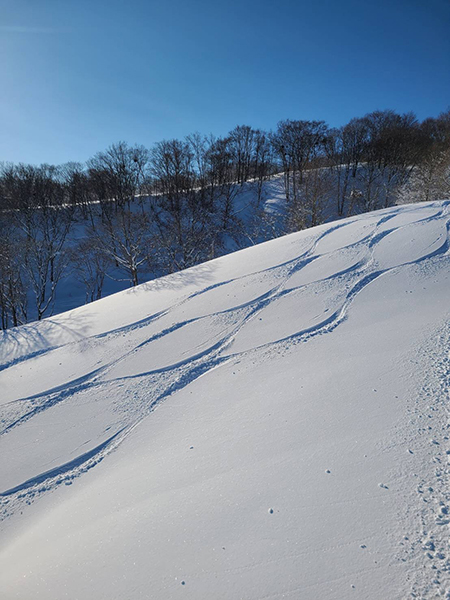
{"x": 271, "y": 424}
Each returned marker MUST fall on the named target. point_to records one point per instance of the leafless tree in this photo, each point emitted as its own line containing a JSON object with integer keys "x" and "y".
{"x": 118, "y": 173}
{"x": 123, "y": 238}
{"x": 243, "y": 146}
{"x": 299, "y": 145}
{"x": 187, "y": 201}
{"x": 262, "y": 163}
{"x": 13, "y": 296}
{"x": 344, "y": 150}
{"x": 430, "y": 179}
{"x": 43, "y": 221}
{"x": 90, "y": 264}
{"x": 78, "y": 194}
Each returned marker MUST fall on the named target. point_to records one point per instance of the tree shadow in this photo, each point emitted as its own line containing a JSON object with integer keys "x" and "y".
{"x": 30, "y": 340}
{"x": 198, "y": 275}
{"x": 33, "y": 339}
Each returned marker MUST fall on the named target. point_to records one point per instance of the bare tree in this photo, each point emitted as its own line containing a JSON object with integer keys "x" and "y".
{"x": 90, "y": 264}
{"x": 344, "y": 150}
{"x": 186, "y": 203}
{"x": 13, "y": 296}
{"x": 118, "y": 173}
{"x": 392, "y": 146}
{"x": 123, "y": 237}
{"x": 78, "y": 193}
{"x": 243, "y": 145}
{"x": 431, "y": 177}
{"x": 262, "y": 162}
{"x": 299, "y": 145}
{"x": 40, "y": 215}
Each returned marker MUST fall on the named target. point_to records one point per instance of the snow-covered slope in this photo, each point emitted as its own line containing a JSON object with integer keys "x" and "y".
{"x": 300, "y": 444}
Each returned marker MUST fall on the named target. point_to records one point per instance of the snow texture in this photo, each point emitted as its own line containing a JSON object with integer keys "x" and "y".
{"x": 300, "y": 446}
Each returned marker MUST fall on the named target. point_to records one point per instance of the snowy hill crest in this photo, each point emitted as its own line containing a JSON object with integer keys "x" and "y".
{"x": 307, "y": 376}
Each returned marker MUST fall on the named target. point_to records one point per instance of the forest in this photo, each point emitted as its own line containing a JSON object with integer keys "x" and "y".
{"x": 132, "y": 213}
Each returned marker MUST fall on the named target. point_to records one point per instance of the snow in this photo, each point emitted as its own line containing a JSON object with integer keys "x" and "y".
{"x": 300, "y": 444}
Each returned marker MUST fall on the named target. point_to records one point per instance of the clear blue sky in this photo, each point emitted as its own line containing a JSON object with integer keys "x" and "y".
{"x": 76, "y": 76}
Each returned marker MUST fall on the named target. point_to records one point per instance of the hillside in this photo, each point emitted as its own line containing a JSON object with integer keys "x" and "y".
{"x": 271, "y": 424}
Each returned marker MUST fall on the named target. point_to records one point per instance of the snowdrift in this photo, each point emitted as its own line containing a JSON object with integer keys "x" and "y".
{"x": 272, "y": 424}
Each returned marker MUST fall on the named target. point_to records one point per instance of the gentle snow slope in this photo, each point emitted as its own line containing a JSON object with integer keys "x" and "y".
{"x": 300, "y": 446}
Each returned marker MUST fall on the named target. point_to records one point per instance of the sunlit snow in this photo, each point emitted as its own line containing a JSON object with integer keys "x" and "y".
{"x": 271, "y": 424}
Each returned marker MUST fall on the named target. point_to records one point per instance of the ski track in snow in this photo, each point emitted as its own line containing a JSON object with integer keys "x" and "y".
{"x": 143, "y": 391}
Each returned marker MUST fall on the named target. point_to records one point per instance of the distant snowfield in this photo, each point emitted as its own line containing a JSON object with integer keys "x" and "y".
{"x": 300, "y": 446}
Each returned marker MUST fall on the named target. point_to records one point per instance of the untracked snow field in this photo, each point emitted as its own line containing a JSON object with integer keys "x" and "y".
{"x": 271, "y": 424}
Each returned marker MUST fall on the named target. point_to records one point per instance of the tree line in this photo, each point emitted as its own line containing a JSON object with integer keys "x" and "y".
{"x": 130, "y": 211}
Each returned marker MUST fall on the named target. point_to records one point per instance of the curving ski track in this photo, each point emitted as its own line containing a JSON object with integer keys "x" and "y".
{"x": 218, "y": 332}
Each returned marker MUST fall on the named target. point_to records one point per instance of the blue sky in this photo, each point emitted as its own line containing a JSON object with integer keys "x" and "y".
{"x": 77, "y": 76}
